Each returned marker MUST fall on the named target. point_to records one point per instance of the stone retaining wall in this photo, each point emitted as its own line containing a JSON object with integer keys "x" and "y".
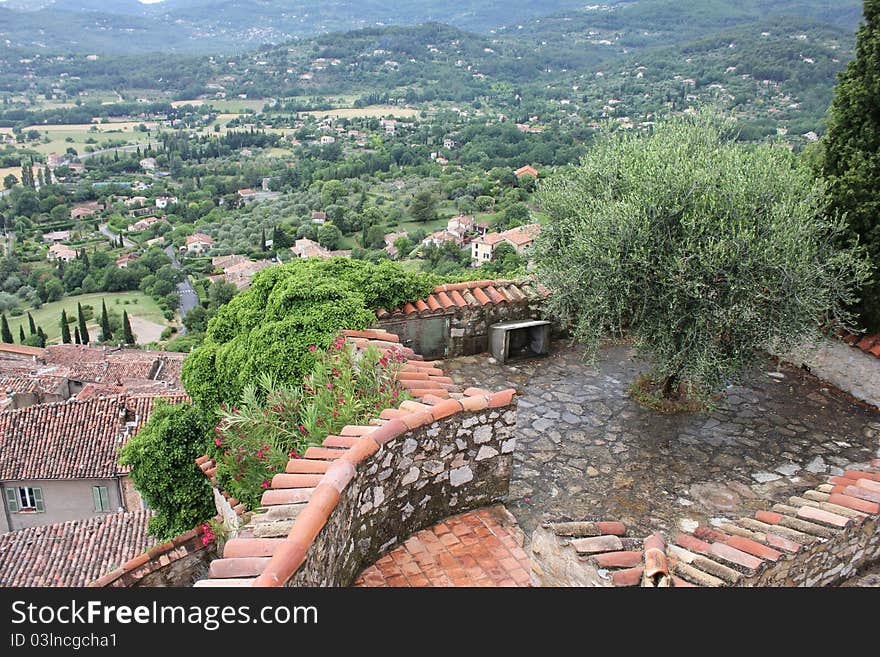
{"x": 838, "y": 363}
{"x": 447, "y": 467}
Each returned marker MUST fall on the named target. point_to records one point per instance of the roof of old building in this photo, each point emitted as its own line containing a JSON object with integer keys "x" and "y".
{"x": 452, "y": 296}
{"x": 73, "y": 439}
{"x": 72, "y": 553}
{"x": 21, "y": 350}
{"x": 199, "y": 237}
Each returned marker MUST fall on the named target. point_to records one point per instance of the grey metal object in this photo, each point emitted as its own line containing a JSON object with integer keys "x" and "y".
{"x": 519, "y": 339}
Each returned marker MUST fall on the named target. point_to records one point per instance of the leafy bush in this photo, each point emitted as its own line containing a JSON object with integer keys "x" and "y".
{"x": 274, "y": 423}
{"x": 270, "y": 326}
{"x": 162, "y": 459}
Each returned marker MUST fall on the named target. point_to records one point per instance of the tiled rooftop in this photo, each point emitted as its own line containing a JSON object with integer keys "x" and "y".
{"x": 477, "y": 548}
{"x": 72, "y": 553}
{"x": 71, "y": 439}
{"x": 449, "y": 297}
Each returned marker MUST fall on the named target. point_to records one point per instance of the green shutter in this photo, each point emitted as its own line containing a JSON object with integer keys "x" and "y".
{"x": 96, "y": 497}
{"x": 38, "y": 499}
{"x": 12, "y": 500}
{"x": 105, "y": 498}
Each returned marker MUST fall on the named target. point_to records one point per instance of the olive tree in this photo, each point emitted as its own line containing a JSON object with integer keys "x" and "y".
{"x": 704, "y": 249}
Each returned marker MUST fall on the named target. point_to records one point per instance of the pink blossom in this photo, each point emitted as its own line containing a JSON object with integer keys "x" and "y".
{"x": 312, "y": 347}
{"x": 329, "y": 386}
{"x": 217, "y": 441}
{"x": 265, "y": 484}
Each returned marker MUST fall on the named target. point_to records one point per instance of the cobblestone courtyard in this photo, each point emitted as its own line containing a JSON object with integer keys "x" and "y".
{"x": 585, "y": 449}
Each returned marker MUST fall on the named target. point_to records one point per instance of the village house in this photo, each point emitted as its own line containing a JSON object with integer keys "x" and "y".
{"x": 156, "y": 240}
{"x": 84, "y": 210}
{"x": 390, "y": 239}
{"x": 59, "y": 461}
{"x": 246, "y": 195}
{"x": 164, "y": 200}
{"x": 521, "y": 239}
{"x": 198, "y": 242}
{"x": 144, "y": 223}
{"x": 57, "y": 236}
{"x": 240, "y": 274}
{"x": 135, "y": 200}
{"x": 61, "y": 252}
{"x": 148, "y": 164}
{"x": 123, "y": 260}
{"x": 306, "y": 248}
{"x": 221, "y": 263}
{"x": 526, "y": 170}
{"x": 327, "y": 139}
{"x": 319, "y": 217}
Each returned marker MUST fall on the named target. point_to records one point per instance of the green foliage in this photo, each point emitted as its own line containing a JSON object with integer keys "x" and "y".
{"x": 162, "y": 459}
{"x": 128, "y": 335}
{"x": 852, "y": 151}
{"x": 423, "y": 206}
{"x": 81, "y": 319}
{"x": 705, "y": 249}
{"x": 4, "y": 330}
{"x": 270, "y": 326}
{"x": 65, "y": 328}
{"x": 273, "y": 423}
{"x": 106, "y": 331}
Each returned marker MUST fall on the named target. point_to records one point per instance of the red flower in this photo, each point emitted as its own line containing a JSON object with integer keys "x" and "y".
{"x": 265, "y": 484}
{"x": 312, "y": 347}
{"x": 217, "y": 441}
{"x": 329, "y": 386}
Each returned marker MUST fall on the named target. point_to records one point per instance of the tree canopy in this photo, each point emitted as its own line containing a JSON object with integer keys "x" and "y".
{"x": 852, "y": 149}
{"x": 703, "y": 248}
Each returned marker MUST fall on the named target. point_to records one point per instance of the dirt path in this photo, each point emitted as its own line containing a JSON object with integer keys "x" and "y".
{"x": 144, "y": 330}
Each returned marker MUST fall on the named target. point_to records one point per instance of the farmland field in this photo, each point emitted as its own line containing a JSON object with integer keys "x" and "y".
{"x": 49, "y": 315}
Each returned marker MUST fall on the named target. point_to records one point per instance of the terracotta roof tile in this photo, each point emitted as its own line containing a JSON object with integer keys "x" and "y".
{"x": 449, "y": 296}
{"x": 72, "y": 553}
{"x": 69, "y": 440}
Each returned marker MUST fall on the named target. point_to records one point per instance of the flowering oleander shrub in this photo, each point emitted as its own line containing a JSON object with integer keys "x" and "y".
{"x": 274, "y": 423}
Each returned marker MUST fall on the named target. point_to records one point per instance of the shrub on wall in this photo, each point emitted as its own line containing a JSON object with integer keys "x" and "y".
{"x": 162, "y": 459}
{"x": 273, "y": 423}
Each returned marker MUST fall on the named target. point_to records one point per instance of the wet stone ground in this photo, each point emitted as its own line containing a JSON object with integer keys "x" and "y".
{"x": 586, "y": 450}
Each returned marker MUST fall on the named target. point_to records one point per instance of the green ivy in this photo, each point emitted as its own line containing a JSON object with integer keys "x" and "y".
{"x": 269, "y": 327}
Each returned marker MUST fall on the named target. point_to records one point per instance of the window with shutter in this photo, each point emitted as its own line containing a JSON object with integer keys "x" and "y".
{"x": 38, "y": 499}
{"x": 12, "y": 500}
{"x": 101, "y": 498}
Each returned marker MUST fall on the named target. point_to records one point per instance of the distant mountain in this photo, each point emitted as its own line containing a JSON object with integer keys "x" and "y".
{"x": 202, "y": 26}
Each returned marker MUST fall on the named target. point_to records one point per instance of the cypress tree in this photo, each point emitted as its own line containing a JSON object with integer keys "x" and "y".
{"x": 21, "y": 337}
{"x": 106, "y": 334}
{"x": 42, "y": 335}
{"x": 851, "y": 162}
{"x": 76, "y": 335}
{"x": 7, "y": 334}
{"x": 128, "y": 336}
{"x": 83, "y": 331}
{"x": 65, "y": 329}
{"x": 263, "y": 239}
{"x": 31, "y": 325}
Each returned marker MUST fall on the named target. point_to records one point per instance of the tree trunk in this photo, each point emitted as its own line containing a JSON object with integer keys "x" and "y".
{"x": 670, "y": 387}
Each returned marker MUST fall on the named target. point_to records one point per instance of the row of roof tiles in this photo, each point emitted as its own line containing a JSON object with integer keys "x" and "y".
{"x": 452, "y": 296}
{"x": 73, "y": 439}
{"x": 724, "y": 555}
{"x": 300, "y": 500}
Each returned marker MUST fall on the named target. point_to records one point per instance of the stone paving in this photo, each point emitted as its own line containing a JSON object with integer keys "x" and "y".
{"x": 586, "y": 450}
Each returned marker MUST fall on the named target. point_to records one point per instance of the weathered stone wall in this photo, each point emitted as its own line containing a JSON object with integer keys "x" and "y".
{"x": 231, "y": 519}
{"x": 827, "y": 563}
{"x": 453, "y": 465}
{"x": 181, "y": 572}
{"x": 469, "y": 327}
{"x": 841, "y": 365}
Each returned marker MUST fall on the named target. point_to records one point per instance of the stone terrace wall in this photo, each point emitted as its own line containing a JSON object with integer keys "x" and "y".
{"x": 818, "y": 538}
{"x": 827, "y": 563}
{"x": 857, "y": 371}
{"x": 419, "y": 478}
